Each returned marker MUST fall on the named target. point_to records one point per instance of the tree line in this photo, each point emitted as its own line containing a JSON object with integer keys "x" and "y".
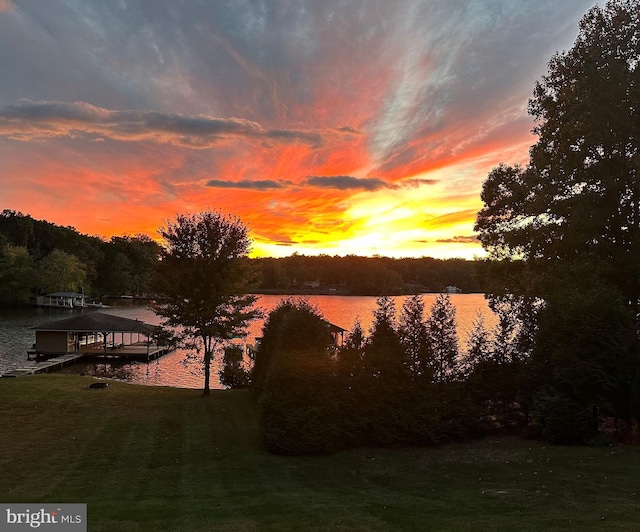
{"x": 38, "y": 257}
{"x": 357, "y": 275}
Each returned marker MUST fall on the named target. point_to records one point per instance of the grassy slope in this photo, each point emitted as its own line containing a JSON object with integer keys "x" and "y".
{"x": 165, "y": 459}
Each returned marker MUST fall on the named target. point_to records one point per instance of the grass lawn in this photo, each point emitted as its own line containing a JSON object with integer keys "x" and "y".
{"x": 148, "y": 459}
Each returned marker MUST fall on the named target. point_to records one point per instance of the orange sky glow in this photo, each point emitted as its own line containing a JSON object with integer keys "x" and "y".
{"x": 363, "y": 128}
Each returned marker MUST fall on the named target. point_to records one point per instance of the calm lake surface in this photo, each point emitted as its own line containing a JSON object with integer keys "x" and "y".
{"x": 17, "y": 335}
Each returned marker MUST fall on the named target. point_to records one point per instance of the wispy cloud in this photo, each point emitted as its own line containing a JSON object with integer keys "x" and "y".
{"x": 415, "y": 183}
{"x": 451, "y": 219}
{"x": 338, "y": 182}
{"x": 345, "y": 182}
{"x": 472, "y": 239}
{"x": 29, "y": 120}
{"x": 265, "y": 184}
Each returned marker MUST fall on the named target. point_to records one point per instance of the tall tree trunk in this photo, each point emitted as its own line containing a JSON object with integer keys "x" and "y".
{"x": 207, "y": 366}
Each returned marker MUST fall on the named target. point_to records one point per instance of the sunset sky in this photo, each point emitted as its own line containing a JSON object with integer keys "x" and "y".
{"x": 328, "y": 126}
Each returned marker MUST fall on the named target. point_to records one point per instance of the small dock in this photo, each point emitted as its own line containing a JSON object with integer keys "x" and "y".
{"x": 138, "y": 352}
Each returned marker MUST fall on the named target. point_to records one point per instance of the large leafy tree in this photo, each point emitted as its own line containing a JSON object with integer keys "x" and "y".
{"x": 60, "y": 271}
{"x": 203, "y": 277}
{"x": 570, "y": 219}
{"x": 16, "y": 273}
{"x": 579, "y": 196}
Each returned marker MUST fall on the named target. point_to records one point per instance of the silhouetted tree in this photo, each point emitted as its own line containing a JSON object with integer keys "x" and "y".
{"x": 414, "y": 336}
{"x": 570, "y": 220}
{"x": 584, "y": 355}
{"x": 270, "y": 341}
{"x": 443, "y": 344}
{"x": 384, "y": 356}
{"x": 443, "y": 339}
{"x": 299, "y": 410}
{"x": 203, "y": 276}
{"x": 478, "y": 345}
{"x": 351, "y": 353}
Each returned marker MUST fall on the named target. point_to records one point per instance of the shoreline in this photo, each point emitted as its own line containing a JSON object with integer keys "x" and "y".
{"x": 261, "y": 292}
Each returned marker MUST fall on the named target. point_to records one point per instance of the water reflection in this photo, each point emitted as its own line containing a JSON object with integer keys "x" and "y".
{"x": 169, "y": 370}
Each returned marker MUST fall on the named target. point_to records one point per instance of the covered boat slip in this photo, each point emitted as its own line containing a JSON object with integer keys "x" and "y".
{"x": 98, "y": 334}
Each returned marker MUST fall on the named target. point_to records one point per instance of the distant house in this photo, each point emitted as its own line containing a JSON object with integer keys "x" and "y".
{"x": 62, "y": 300}
{"x": 453, "y": 290}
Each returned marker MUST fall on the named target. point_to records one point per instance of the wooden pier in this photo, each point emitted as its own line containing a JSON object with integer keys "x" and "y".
{"x": 51, "y": 364}
{"x": 138, "y": 352}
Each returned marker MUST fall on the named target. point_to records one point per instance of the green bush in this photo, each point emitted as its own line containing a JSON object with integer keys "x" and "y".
{"x": 564, "y": 421}
{"x": 233, "y": 374}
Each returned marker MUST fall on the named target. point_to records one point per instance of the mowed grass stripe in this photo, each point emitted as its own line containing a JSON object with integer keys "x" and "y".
{"x": 147, "y": 458}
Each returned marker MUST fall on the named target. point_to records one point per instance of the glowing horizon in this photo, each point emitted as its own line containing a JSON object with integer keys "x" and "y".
{"x": 359, "y": 129}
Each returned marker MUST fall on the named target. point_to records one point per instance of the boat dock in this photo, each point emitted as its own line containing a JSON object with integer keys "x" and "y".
{"x": 94, "y": 335}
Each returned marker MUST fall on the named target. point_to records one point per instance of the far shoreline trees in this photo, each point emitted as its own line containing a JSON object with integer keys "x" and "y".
{"x": 119, "y": 266}
{"x": 371, "y": 276}
{"x": 123, "y": 265}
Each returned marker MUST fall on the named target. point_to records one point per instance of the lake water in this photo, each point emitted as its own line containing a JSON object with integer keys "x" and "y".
{"x": 17, "y": 335}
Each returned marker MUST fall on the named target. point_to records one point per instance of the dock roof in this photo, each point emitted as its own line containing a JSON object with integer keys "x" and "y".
{"x": 334, "y": 328}
{"x": 99, "y": 322}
